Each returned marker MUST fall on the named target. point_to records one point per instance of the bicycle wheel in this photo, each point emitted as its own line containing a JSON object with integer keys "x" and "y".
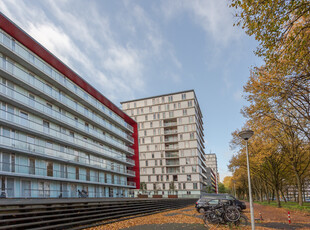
{"x": 242, "y": 222}
{"x": 232, "y": 214}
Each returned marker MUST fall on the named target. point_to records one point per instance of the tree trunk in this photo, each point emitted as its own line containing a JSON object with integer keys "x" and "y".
{"x": 299, "y": 187}
{"x": 278, "y": 197}
{"x": 283, "y": 196}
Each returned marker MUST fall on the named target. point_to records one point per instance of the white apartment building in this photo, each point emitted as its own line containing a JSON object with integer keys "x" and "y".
{"x": 171, "y": 143}
{"x": 58, "y": 135}
{"x": 211, "y": 162}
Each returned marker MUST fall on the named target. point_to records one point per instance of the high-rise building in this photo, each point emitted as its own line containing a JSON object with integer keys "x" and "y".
{"x": 171, "y": 143}
{"x": 211, "y": 162}
{"x": 59, "y": 136}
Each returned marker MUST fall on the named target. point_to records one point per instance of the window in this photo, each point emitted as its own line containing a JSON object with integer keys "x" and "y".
{"x": 167, "y": 177}
{"x": 153, "y": 101}
{"x": 187, "y": 160}
{"x": 151, "y": 124}
{"x": 6, "y": 132}
{"x": 183, "y": 169}
{"x": 181, "y": 137}
{"x": 184, "y": 111}
{"x": 46, "y": 124}
{"x": 150, "y": 109}
{"x": 149, "y": 178}
{"x": 164, "y": 115}
{"x": 170, "y": 98}
{"x": 145, "y": 103}
{"x": 152, "y": 139}
{"x": 146, "y": 163}
{"x": 153, "y": 170}
{"x": 49, "y": 169}
{"x": 163, "y": 99}
{"x": 195, "y": 186}
{"x": 190, "y": 103}
{"x": 155, "y": 162}
{"x": 183, "y": 96}
{"x": 192, "y": 136}
{"x": 154, "y": 116}
{"x": 87, "y": 174}
{"x": 135, "y": 105}
{"x": 159, "y": 108}
{"x": 31, "y": 166}
{"x": 171, "y": 114}
{"x": 167, "y": 107}
{"x": 194, "y": 168}
{"x": 162, "y": 170}
{"x": 175, "y": 178}
{"x": 189, "y": 177}
{"x": 164, "y": 186}
{"x": 146, "y": 117}
{"x": 184, "y": 186}
{"x": 152, "y": 155}
{"x": 145, "y": 133}
{"x": 141, "y": 110}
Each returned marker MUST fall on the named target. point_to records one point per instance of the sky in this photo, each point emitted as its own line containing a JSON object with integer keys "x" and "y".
{"x": 131, "y": 49}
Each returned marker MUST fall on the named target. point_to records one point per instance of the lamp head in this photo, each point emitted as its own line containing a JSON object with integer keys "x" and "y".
{"x": 246, "y": 134}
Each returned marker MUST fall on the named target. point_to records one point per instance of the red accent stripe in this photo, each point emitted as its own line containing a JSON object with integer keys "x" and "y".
{"x": 22, "y": 37}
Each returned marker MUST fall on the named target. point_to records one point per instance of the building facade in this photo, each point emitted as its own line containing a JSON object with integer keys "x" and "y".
{"x": 59, "y": 136}
{"x": 171, "y": 143}
{"x": 211, "y": 162}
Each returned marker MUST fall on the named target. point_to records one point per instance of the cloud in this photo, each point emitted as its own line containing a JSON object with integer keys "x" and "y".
{"x": 215, "y": 17}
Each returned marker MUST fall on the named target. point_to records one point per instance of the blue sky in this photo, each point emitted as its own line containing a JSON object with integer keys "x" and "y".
{"x": 135, "y": 49}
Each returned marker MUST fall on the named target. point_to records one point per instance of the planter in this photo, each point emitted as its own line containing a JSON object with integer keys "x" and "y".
{"x": 172, "y": 196}
{"x": 142, "y": 196}
{"x": 157, "y": 196}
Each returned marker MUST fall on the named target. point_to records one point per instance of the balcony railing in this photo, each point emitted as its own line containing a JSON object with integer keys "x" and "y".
{"x": 171, "y": 131}
{"x": 41, "y": 86}
{"x": 18, "y": 97}
{"x": 172, "y": 155}
{"x": 172, "y": 163}
{"x": 29, "y": 57}
{"x": 64, "y": 174}
{"x": 170, "y": 124}
{"x": 173, "y": 170}
{"x": 171, "y": 147}
{"x": 171, "y": 139}
{"x": 76, "y": 142}
{"x": 42, "y": 148}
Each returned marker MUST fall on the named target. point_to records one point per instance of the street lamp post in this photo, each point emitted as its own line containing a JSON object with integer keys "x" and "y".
{"x": 246, "y": 136}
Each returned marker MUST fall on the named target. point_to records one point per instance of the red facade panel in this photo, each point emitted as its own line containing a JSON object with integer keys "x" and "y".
{"x": 22, "y": 37}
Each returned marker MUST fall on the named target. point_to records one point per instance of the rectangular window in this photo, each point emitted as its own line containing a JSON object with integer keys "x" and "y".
{"x": 183, "y": 96}
{"x": 49, "y": 169}
{"x": 195, "y": 186}
{"x": 189, "y": 177}
{"x": 184, "y": 111}
{"x": 31, "y": 166}
{"x": 149, "y": 178}
{"x": 77, "y": 173}
{"x": 146, "y": 163}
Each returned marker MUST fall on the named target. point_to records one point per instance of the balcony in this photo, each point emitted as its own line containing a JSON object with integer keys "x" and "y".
{"x": 171, "y": 139}
{"x": 39, "y": 129}
{"x": 23, "y": 100}
{"x": 50, "y": 72}
{"x": 171, "y": 147}
{"x": 43, "y": 149}
{"x": 173, "y": 170}
{"x": 55, "y": 95}
{"x": 172, "y": 163}
{"x": 170, "y": 131}
{"x": 172, "y": 155}
{"x": 170, "y": 124}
